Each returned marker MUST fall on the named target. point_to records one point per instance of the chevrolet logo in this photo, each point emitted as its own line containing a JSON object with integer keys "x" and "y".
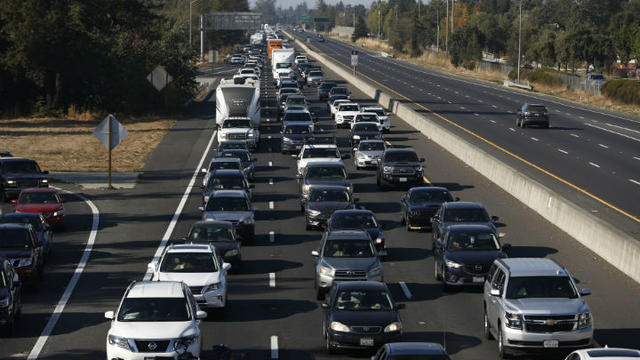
{"x": 550, "y": 322}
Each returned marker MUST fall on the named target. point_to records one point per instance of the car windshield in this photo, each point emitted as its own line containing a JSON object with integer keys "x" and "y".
{"x": 329, "y": 195}
{"x": 224, "y": 165}
{"x": 541, "y": 287}
{"x": 337, "y": 97}
{"x": 366, "y": 117}
{"x": 14, "y": 239}
{"x": 244, "y": 156}
{"x": 154, "y": 309}
{"x": 283, "y": 65}
{"x": 20, "y": 167}
{"x": 348, "y": 107}
{"x": 38, "y": 198}
{"x": 236, "y": 124}
{"x": 401, "y": 156}
{"x": 228, "y": 145}
{"x": 326, "y": 172}
{"x": 226, "y": 183}
{"x": 288, "y": 90}
{"x": 353, "y": 221}
{"x": 363, "y": 300}
{"x": 371, "y": 146}
{"x": 297, "y": 129}
{"x": 325, "y": 86}
{"x": 182, "y": 262}
{"x": 365, "y": 127}
{"x": 321, "y": 153}
{"x": 227, "y": 204}
{"x": 295, "y": 100}
{"x": 339, "y": 90}
{"x": 378, "y": 112}
{"x": 296, "y": 116}
{"x": 423, "y": 196}
{"x": 30, "y": 220}
{"x": 417, "y": 357}
{"x": 211, "y": 234}
{"x": 315, "y": 73}
{"x": 349, "y": 248}
{"x": 248, "y": 71}
{"x": 462, "y": 241}
{"x": 466, "y": 215}
{"x": 536, "y": 108}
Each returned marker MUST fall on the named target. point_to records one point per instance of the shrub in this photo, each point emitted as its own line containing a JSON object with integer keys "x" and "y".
{"x": 542, "y": 77}
{"x": 627, "y": 91}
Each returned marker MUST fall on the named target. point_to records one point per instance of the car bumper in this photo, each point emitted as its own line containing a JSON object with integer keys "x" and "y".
{"x": 325, "y": 282}
{"x": 27, "y": 273}
{"x": 56, "y": 221}
{"x": 212, "y": 299}
{"x": 458, "y": 277}
{"x": 354, "y": 341}
{"x": 116, "y": 353}
{"x": 410, "y": 179}
{"x": 366, "y": 162}
{"x": 527, "y": 340}
{"x": 535, "y": 120}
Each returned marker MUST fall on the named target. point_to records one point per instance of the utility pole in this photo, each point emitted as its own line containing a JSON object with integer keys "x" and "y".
{"x": 190, "y": 29}
{"x": 453, "y": 3}
{"x": 419, "y": 3}
{"x": 201, "y": 37}
{"x": 519, "y": 41}
{"x": 446, "y": 39}
{"x": 438, "y": 27}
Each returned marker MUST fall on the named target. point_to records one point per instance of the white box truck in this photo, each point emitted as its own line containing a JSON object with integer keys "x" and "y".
{"x": 281, "y": 62}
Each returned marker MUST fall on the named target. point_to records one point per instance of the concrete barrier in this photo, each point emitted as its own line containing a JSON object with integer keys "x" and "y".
{"x": 618, "y": 248}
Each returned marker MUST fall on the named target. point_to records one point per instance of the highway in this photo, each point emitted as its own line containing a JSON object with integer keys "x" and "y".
{"x": 271, "y": 299}
{"x": 595, "y": 150}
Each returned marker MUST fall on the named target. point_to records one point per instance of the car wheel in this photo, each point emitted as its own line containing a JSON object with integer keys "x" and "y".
{"x": 487, "y": 330}
{"x": 330, "y": 349}
{"x": 319, "y": 294}
{"x": 308, "y": 226}
{"x": 502, "y": 351}
{"x": 402, "y": 220}
{"x": 7, "y": 329}
{"x": 436, "y": 271}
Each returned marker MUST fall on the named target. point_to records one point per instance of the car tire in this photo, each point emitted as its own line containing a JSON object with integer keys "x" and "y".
{"x": 7, "y": 329}
{"x": 330, "y": 349}
{"x": 308, "y": 226}
{"x": 319, "y": 294}
{"x": 402, "y": 220}
{"x": 436, "y": 271}
{"x": 487, "y": 327}
{"x": 502, "y": 351}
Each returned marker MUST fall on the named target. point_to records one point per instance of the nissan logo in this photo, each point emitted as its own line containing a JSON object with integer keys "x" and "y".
{"x": 478, "y": 267}
{"x": 152, "y": 346}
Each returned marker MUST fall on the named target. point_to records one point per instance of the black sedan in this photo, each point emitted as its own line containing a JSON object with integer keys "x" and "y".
{"x": 225, "y": 179}
{"x": 39, "y": 224}
{"x": 322, "y": 202}
{"x": 357, "y": 219}
{"x": 465, "y": 254}
{"x": 411, "y": 350}
{"x": 222, "y": 235}
{"x": 360, "y": 315}
{"x": 533, "y": 114}
{"x": 420, "y": 204}
{"x": 324, "y": 88}
{"x": 324, "y": 173}
{"x": 455, "y": 213}
{"x": 364, "y": 131}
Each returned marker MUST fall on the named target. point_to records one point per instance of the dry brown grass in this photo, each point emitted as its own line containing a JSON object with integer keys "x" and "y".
{"x": 68, "y": 144}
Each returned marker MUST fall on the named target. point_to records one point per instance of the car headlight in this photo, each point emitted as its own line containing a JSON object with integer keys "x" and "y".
{"x": 325, "y": 270}
{"x": 119, "y": 342}
{"x": 356, "y": 137}
{"x": 306, "y": 188}
{"x": 59, "y": 212}
{"x": 286, "y": 140}
{"x": 313, "y": 212}
{"x": 211, "y": 287}
{"x": 584, "y": 320}
{"x": 44, "y": 181}
{"x": 380, "y": 239}
{"x": 184, "y": 341}
{"x": 514, "y": 320}
{"x": 376, "y": 271}
{"x": 387, "y": 169}
{"x": 233, "y": 252}
{"x": 394, "y": 326}
{"x": 338, "y": 326}
{"x": 4, "y": 302}
{"x": 419, "y": 168}
{"x": 10, "y": 183}
{"x": 25, "y": 262}
{"x": 250, "y": 135}
{"x": 452, "y": 264}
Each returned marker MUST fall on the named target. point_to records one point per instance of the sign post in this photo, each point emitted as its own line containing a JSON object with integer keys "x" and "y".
{"x": 110, "y": 133}
{"x": 354, "y": 60}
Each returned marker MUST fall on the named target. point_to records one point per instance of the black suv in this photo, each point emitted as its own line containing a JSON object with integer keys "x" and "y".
{"x": 324, "y": 88}
{"x": 324, "y": 173}
{"x": 17, "y": 174}
{"x": 364, "y": 131}
{"x": 10, "y": 296}
{"x": 533, "y": 114}
{"x": 399, "y": 167}
{"x": 20, "y": 244}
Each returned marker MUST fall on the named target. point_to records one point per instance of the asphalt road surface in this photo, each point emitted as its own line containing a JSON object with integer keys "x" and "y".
{"x": 595, "y": 150}
{"x": 271, "y": 300}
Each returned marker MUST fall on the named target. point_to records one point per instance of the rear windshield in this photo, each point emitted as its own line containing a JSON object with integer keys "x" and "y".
{"x": 339, "y": 90}
{"x": 327, "y": 85}
{"x": 227, "y": 204}
{"x": 536, "y": 108}
{"x": 348, "y": 107}
{"x": 211, "y": 234}
{"x": 401, "y": 156}
{"x": 466, "y": 215}
{"x": 423, "y": 196}
{"x": 326, "y": 172}
{"x": 365, "y": 127}
{"x": 315, "y": 73}
{"x": 348, "y": 248}
{"x": 463, "y": 241}
{"x": 295, "y": 100}
{"x": 242, "y": 155}
{"x": 371, "y": 146}
{"x": 231, "y": 165}
{"x": 227, "y": 182}
{"x": 321, "y": 153}
{"x": 14, "y": 239}
{"x": 283, "y": 65}
{"x": 329, "y": 195}
{"x": 366, "y": 117}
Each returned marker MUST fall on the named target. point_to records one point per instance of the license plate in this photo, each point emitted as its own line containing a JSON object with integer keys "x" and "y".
{"x": 550, "y": 343}
{"x": 366, "y": 342}
{"x": 298, "y": 147}
{"x": 478, "y": 279}
{"x": 402, "y": 179}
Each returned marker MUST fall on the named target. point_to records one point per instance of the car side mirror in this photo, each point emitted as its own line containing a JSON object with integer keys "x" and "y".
{"x": 315, "y": 253}
{"x": 421, "y": 160}
{"x": 226, "y": 266}
{"x": 46, "y": 172}
{"x": 201, "y": 208}
{"x": 400, "y": 306}
{"x": 109, "y": 315}
{"x": 457, "y": 199}
{"x": 252, "y": 186}
{"x": 324, "y": 305}
{"x": 203, "y": 171}
{"x": 585, "y": 292}
{"x": 494, "y": 218}
{"x": 151, "y": 267}
{"x": 506, "y": 248}
{"x": 201, "y": 315}
{"x": 495, "y": 292}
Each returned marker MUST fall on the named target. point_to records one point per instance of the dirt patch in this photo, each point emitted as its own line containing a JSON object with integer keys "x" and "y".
{"x": 68, "y": 144}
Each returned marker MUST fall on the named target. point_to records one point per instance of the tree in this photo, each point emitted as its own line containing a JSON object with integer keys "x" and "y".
{"x": 268, "y": 10}
{"x": 360, "y": 30}
{"x": 466, "y": 47}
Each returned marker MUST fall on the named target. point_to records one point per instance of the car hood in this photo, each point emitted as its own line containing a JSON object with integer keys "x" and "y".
{"x": 365, "y": 318}
{"x": 227, "y": 215}
{"x": 547, "y": 306}
{"x": 38, "y": 208}
{"x": 489, "y": 224}
{"x": 474, "y": 257}
{"x": 425, "y": 206}
{"x": 366, "y": 133}
{"x": 344, "y": 182}
{"x": 152, "y": 330}
{"x": 15, "y": 254}
{"x": 19, "y": 176}
{"x": 297, "y": 136}
{"x": 372, "y": 154}
{"x": 329, "y": 206}
{"x": 191, "y": 279}
{"x": 351, "y": 263}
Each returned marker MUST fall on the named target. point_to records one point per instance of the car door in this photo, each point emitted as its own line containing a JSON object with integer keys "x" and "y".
{"x": 435, "y": 223}
{"x": 404, "y": 206}
{"x": 494, "y": 306}
{"x": 439, "y": 248}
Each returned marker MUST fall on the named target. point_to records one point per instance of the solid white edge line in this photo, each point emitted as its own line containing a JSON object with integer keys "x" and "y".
{"x": 613, "y": 132}
{"x": 178, "y": 212}
{"x": 637, "y": 158}
{"x": 57, "y": 312}
{"x": 405, "y": 290}
{"x": 272, "y": 236}
{"x": 603, "y": 146}
{"x": 272, "y": 280}
{"x": 274, "y": 347}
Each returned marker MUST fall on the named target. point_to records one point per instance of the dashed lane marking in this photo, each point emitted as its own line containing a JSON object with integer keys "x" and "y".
{"x": 563, "y": 151}
{"x": 594, "y": 164}
{"x": 405, "y": 290}
{"x": 272, "y": 236}
{"x": 274, "y": 347}
{"x": 272, "y": 280}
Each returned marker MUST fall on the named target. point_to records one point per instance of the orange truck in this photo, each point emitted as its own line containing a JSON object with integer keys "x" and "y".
{"x": 274, "y": 44}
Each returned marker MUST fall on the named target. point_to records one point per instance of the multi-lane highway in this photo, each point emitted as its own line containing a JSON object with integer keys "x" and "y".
{"x": 596, "y": 151}
{"x": 272, "y": 310}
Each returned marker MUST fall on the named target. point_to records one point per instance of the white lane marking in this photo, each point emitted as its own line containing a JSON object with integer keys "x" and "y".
{"x": 637, "y": 158}
{"x": 569, "y": 114}
{"x": 613, "y": 132}
{"x": 624, "y": 128}
{"x": 271, "y": 205}
{"x": 574, "y": 135}
{"x": 448, "y": 101}
{"x": 563, "y": 151}
{"x": 635, "y": 182}
{"x": 405, "y": 290}
{"x": 480, "y": 101}
{"x": 57, "y": 312}
{"x": 594, "y": 164}
{"x": 269, "y": 137}
{"x": 510, "y": 112}
{"x": 512, "y": 129}
{"x": 534, "y": 139}
{"x": 176, "y": 214}
{"x": 476, "y": 114}
{"x": 272, "y": 280}
{"x": 493, "y": 121}
{"x": 272, "y": 236}
{"x": 274, "y": 347}
{"x": 581, "y": 117}
{"x": 270, "y": 181}
{"x": 493, "y": 106}
{"x": 270, "y": 163}
{"x": 604, "y": 146}
{"x": 461, "y": 107}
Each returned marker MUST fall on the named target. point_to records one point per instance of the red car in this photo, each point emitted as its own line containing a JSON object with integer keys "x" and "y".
{"x": 42, "y": 200}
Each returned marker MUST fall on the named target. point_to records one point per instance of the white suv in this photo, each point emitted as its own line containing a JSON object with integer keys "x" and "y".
{"x": 197, "y": 266}
{"x": 155, "y": 320}
{"x": 345, "y": 114}
{"x": 311, "y": 153}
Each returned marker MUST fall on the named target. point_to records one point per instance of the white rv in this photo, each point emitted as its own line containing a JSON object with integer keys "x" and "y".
{"x": 238, "y": 97}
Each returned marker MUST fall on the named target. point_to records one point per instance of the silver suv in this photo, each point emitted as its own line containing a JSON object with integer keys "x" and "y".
{"x": 533, "y": 303}
{"x": 345, "y": 255}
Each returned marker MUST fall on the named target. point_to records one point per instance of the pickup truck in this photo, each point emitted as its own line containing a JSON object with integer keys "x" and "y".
{"x": 239, "y": 128}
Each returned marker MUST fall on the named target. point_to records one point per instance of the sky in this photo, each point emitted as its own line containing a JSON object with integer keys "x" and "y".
{"x": 311, "y": 3}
